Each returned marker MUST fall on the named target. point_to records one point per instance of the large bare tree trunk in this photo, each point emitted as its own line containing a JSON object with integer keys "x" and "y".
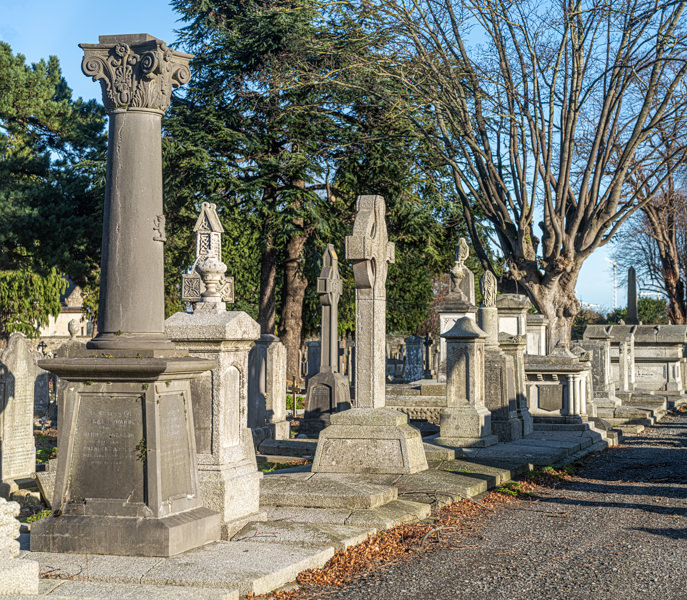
{"x": 557, "y": 302}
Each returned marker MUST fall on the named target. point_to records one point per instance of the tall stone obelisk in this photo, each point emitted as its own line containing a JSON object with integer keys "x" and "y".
{"x": 127, "y": 476}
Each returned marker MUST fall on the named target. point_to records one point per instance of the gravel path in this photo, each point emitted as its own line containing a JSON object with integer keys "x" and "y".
{"x": 617, "y": 530}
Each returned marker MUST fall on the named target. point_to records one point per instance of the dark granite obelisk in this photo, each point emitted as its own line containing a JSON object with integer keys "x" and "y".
{"x": 127, "y": 477}
{"x": 632, "y": 313}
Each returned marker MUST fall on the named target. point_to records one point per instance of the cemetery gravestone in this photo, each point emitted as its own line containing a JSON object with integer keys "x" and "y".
{"x": 127, "y": 480}
{"x": 17, "y": 379}
{"x": 370, "y": 438}
{"x": 460, "y": 301}
{"x": 466, "y": 421}
{"x": 328, "y": 390}
{"x": 632, "y": 313}
{"x": 267, "y": 390}
{"x": 227, "y": 469}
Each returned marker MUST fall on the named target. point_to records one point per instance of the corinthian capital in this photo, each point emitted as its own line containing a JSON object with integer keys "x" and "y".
{"x": 135, "y": 71}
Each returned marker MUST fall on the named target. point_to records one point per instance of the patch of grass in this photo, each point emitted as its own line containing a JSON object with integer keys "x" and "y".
{"x": 35, "y": 516}
{"x": 300, "y": 402}
{"x": 512, "y": 488}
{"x": 43, "y": 455}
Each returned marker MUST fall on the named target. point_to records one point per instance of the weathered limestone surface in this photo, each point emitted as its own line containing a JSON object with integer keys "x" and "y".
{"x": 537, "y": 334}
{"x": 499, "y": 368}
{"x": 370, "y": 438}
{"x": 127, "y": 477}
{"x": 17, "y": 378}
{"x": 466, "y": 421}
{"x": 327, "y": 391}
{"x": 16, "y": 576}
{"x": 459, "y": 302}
{"x": 267, "y": 390}
{"x": 228, "y": 475}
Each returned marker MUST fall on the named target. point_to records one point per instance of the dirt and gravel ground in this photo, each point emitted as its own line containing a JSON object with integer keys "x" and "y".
{"x": 617, "y": 529}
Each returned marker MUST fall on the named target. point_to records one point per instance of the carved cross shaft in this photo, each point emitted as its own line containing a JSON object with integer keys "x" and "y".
{"x": 329, "y": 288}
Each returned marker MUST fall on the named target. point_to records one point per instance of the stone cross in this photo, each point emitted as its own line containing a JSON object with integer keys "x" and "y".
{"x": 137, "y": 74}
{"x": 329, "y": 288}
{"x": 206, "y": 286}
{"x": 632, "y": 315}
{"x": 371, "y": 253}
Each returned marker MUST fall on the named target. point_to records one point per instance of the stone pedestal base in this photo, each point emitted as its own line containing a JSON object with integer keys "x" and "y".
{"x": 369, "y": 440}
{"x": 126, "y": 536}
{"x": 507, "y": 430}
{"x": 18, "y": 577}
{"x": 127, "y": 477}
{"x": 280, "y": 430}
{"x": 233, "y": 490}
{"x": 327, "y": 394}
{"x": 465, "y": 427}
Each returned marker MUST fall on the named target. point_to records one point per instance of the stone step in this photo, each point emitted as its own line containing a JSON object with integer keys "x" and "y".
{"x": 297, "y": 447}
{"x": 435, "y": 453}
{"x": 56, "y": 589}
{"x": 599, "y": 446}
{"x": 631, "y": 428}
{"x": 310, "y": 490}
{"x": 389, "y": 515}
{"x": 339, "y": 536}
{"x": 540, "y": 426}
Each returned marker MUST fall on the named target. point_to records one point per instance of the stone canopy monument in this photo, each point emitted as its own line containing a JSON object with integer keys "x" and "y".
{"x": 370, "y": 438}
{"x": 328, "y": 391}
{"x": 127, "y": 480}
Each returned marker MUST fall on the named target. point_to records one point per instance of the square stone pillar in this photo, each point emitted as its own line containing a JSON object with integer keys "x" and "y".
{"x": 227, "y": 470}
{"x": 514, "y": 346}
{"x": 466, "y": 421}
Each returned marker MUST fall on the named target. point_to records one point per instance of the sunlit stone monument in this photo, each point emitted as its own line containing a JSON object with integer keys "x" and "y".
{"x": 370, "y": 438}
{"x": 228, "y": 472}
{"x": 127, "y": 478}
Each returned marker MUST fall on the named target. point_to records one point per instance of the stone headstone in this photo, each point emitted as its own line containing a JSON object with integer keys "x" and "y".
{"x": 370, "y": 438}
{"x": 371, "y": 253}
{"x": 327, "y": 391}
{"x": 17, "y": 576}
{"x": 313, "y": 351}
{"x": 17, "y": 380}
{"x": 412, "y": 367}
{"x": 632, "y": 313}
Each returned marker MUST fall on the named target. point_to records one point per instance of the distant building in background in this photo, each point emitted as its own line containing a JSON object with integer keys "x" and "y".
{"x": 72, "y": 308}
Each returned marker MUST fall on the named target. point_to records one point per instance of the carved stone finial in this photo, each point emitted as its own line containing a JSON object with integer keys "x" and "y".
{"x": 207, "y": 284}
{"x": 135, "y": 71}
{"x": 462, "y": 251}
{"x": 73, "y": 328}
{"x": 487, "y": 287}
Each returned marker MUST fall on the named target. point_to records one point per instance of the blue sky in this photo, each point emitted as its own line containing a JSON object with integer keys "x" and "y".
{"x": 39, "y": 28}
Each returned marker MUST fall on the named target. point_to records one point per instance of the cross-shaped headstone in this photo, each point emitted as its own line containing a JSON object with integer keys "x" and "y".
{"x": 208, "y": 262}
{"x": 329, "y": 288}
{"x": 371, "y": 253}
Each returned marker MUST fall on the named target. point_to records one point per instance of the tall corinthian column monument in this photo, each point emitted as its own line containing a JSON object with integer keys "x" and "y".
{"x": 127, "y": 476}
{"x": 370, "y": 438}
